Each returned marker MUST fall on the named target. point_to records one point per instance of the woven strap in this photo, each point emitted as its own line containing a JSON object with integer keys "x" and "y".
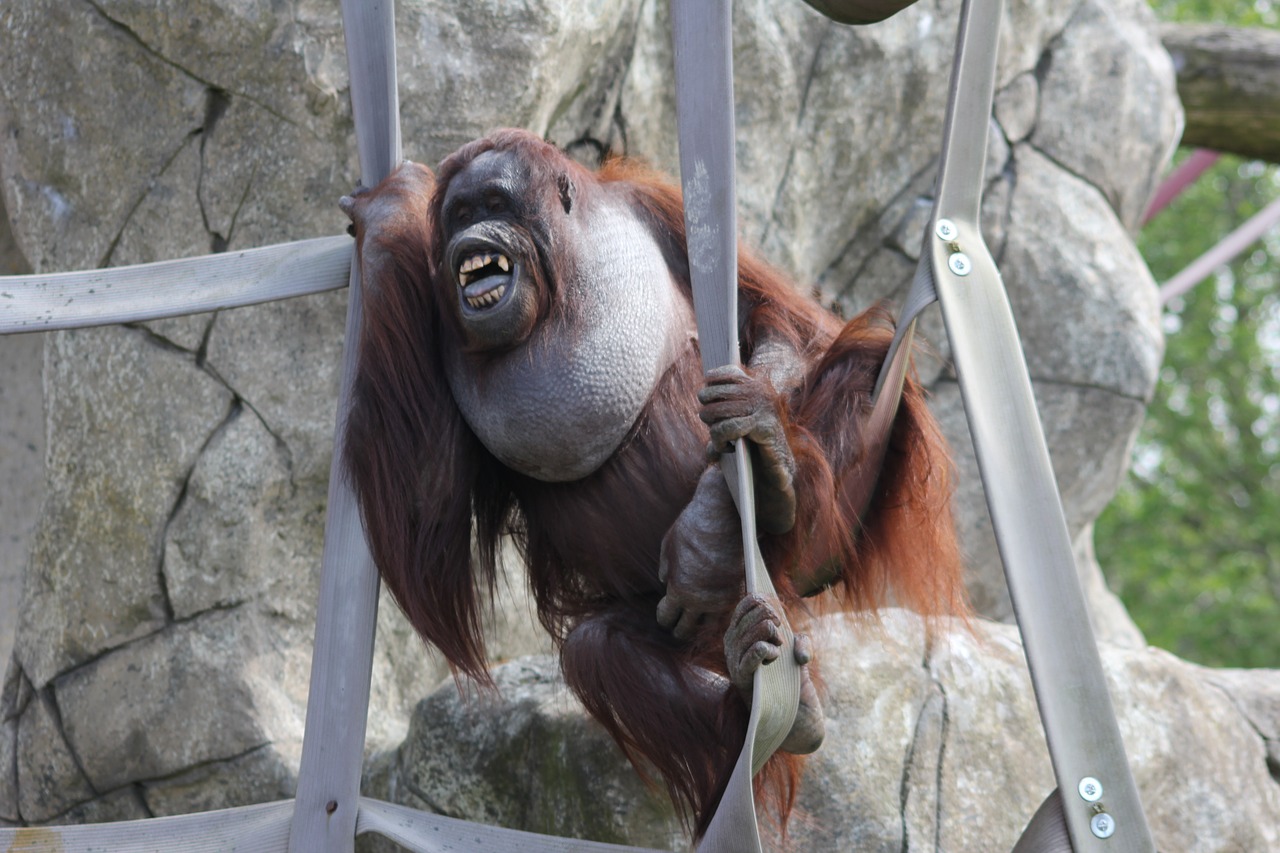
{"x": 887, "y": 394}
{"x": 253, "y": 829}
{"x": 1026, "y": 511}
{"x": 342, "y": 661}
{"x": 70, "y": 300}
{"x": 264, "y": 828}
{"x": 430, "y": 833}
{"x": 702, "y": 37}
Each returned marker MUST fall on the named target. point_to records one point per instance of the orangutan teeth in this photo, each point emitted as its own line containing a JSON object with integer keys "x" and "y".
{"x": 480, "y": 261}
{"x": 487, "y": 300}
{"x": 472, "y": 272}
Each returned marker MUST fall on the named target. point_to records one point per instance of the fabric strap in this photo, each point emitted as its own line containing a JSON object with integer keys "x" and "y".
{"x": 1026, "y": 511}
{"x": 702, "y": 40}
{"x": 253, "y": 829}
{"x": 887, "y": 394}
{"x": 430, "y": 833}
{"x": 346, "y": 615}
{"x": 264, "y": 828}
{"x": 70, "y": 300}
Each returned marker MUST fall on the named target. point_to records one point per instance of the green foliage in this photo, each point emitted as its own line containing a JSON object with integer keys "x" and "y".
{"x": 1192, "y": 541}
{"x": 1236, "y": 13}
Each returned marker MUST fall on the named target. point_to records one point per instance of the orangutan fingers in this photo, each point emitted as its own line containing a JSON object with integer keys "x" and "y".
{"x": 742, "y": 670}
{"x": 757, "y": 655}
{"x": 760, "y": 624}
{"x": 683, "y": 622}
{"x": 725, "y": 433}
{"x": 348, "y": 204}
{"x": 723, "y": 407}
{"x": 741, "y": 388}
{"x": 726, "y": 374}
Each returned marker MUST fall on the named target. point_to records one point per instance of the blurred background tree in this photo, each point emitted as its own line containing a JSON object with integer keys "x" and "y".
{"x": 1192, "y": 541}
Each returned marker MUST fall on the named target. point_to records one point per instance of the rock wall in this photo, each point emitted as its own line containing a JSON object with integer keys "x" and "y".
{"x": 21, "y": 448}
{"x": 933, "y": 743}
{"x": 162, "y": 655}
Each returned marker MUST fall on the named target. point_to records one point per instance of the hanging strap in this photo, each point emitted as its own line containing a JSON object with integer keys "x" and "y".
{"x": 1096, "y": 797}
{"x": 887, "y": 394}
{"x": 431, "y": 833}
{"x": 72, "y": 300}
{"x": 1101, "y": 804}
{"x": 342, "y": 661}
{"x": 702, "y": 37}
{"x": 262, "y": 828}
{"x": 329, "y": 811}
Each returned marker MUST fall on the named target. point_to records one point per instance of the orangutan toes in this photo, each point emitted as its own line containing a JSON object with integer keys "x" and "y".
{"x": 753, "y": 640}
{"x": 701, "y": 560}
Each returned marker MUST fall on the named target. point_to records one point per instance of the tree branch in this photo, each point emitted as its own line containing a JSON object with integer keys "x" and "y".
{"x": 1229, "y": 84}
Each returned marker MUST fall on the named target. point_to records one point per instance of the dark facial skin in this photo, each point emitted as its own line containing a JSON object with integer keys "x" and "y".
{"x": 568, "y": 313}
{"x": 490, "y": 255}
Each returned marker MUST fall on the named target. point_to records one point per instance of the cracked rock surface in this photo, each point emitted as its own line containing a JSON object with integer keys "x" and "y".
{"x": 932, "y": 744}
{"x": 162, "y": 655}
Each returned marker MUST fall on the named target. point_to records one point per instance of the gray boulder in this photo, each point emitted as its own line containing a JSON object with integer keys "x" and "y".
{"x": 932, "y": 743}
{"x": 21, "y": 469}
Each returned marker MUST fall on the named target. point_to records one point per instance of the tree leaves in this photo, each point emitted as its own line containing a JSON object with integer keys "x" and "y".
{"x": 1192, "y": 541}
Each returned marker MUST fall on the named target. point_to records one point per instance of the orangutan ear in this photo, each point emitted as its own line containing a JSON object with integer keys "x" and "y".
{"x": 567, "y": 191}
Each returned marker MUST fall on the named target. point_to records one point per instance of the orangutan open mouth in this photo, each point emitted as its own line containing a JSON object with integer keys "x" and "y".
{"x": 483, "y": 277}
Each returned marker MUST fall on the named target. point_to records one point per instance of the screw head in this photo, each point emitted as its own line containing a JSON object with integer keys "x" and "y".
{"x": 1103, "y": 825}
{"x": 960, "y": 264}
{"x": 1090, "y": 789}
{"x": 946, "y": 230}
